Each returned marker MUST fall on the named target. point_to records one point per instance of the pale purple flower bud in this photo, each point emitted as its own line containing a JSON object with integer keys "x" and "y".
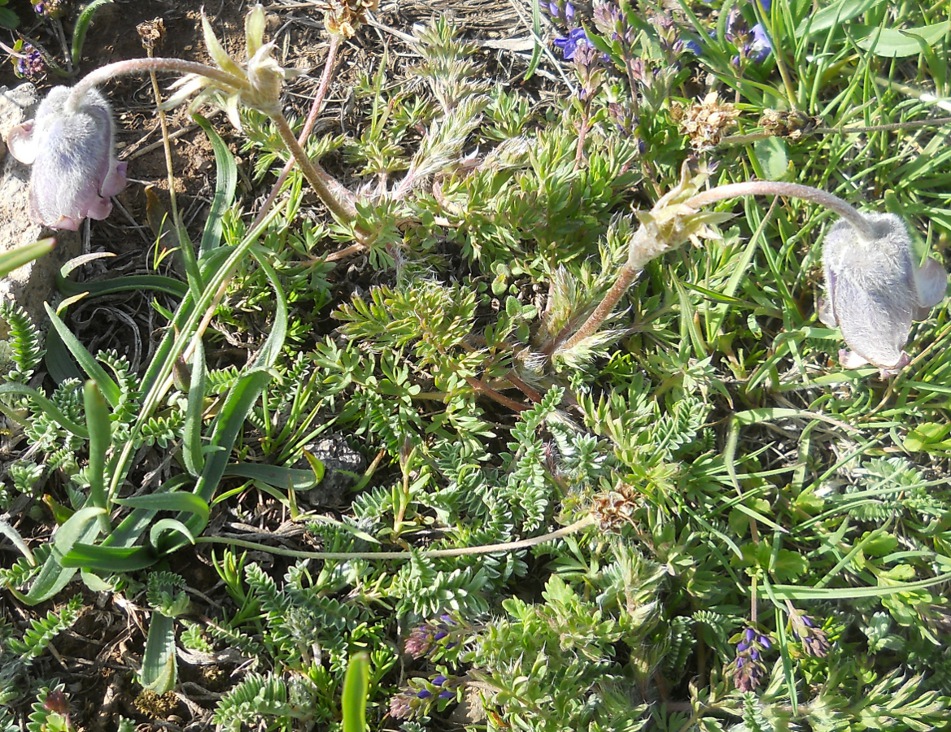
{"x": 760, "y": 47}
{"x": 74, "y": 166}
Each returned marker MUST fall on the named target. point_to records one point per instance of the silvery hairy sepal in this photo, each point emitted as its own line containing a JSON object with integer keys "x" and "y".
{"x": 75, "y": 170}
{"x": 257, "y": 83}
{"x": 875, "y": 289}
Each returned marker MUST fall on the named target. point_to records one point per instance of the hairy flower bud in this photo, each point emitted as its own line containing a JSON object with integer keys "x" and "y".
{"x": 875, "y": 290}
{"x": 74, "y": 166}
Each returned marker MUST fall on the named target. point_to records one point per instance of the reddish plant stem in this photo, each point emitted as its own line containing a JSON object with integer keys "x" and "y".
{"x": 315, "y": 109}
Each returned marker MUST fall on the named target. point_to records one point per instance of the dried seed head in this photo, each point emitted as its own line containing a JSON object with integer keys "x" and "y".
{"x": 344, "y": 17}
{"x": 151, "y": 33}
{"x": 705, "y": 122}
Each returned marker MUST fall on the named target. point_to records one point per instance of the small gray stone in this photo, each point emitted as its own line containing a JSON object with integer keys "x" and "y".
{"x": 340, "y": 463}
{"x": 31, "y": 285}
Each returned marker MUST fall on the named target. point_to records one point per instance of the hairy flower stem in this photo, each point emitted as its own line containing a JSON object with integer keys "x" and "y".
{"x": 459, "y": 552}
{"x": 315, "y": 108}
{"x": 632, "y": 268}
{"x": 790, "y": 190}
{"x": 625, "y": 278}
{"x": 134, "y": 66}
{"x": 337, "y": 198}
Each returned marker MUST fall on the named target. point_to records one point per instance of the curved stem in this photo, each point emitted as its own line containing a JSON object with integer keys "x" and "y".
{"x": 309, "y": 123}
{"x": 139, "y": 65}
{"x": 337, "y": 198}
{"x": 460, "y": 552}
{"x": 794, "y": 190}
{"x": 625, "y": 277}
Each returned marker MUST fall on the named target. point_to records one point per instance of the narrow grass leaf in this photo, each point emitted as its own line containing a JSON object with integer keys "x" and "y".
{"x": 82, "y": 26}
{"x": 192, "y": 454}
{"x": 166, "y": 526}
{"x": 108, "y": 387}
{"x": 100, "y": 439}
{"x": 24, "y": 254}
{"x": 225, "y": 183}
{"x": 159, "y": 669}
{"x": 111, "y": 559}
{"x": 45, "y": 406}
{"x": 180, "y": 501}
{"x": 356, "y": 685}
{"x": 288, "y": 479}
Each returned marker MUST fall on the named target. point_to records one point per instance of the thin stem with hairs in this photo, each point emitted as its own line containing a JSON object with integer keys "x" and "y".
{"x": 458, "y": 552}
{"x": 334, "y": 195}
{"x": 639, "y": 243}
{"x": 309, "y": 123}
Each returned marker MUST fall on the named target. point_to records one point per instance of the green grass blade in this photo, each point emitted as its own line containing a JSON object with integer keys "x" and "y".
{"x": 225, "y": 184}
{"x": 271, "y": 349}
{"x": 167, "y": 526}
{"x": 227, "y": 426}
{"x": 82, "y": 26}
{"x": 353, "y": 701}
{"x": 179, "y": 501}
{"x": 288, "y": 479}
{"x": 109, "y": 560}
{"x": 159, "y": 669}
{"x": 55, "y": 575}
{"x": 45, "y": 406}
{"x": 192, "y": 454}
{"x": 17, "y": 257}
{"x": 132, "y": 283}
{"x": 100, "y": 438}
{"x": 108, "y": 387}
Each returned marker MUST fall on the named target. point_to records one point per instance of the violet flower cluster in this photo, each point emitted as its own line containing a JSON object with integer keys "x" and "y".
{"x": 445, "y": 631}
{"x": 814, "y": 641}
{"x": 421, "y": 695}
{"x": 30, "y": 63}
{"x": 749, "y": 669}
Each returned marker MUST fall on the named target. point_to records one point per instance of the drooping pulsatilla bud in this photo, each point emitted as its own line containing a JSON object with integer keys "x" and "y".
{"x": 875, "y": 289}
{"x": 74, "y": 166}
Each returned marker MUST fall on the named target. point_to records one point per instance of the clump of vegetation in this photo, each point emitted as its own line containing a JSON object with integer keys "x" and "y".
{"x": 619, "y": 476}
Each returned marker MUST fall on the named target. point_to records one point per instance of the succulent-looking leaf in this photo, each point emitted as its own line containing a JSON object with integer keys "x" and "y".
{"x": 875, "y": 289}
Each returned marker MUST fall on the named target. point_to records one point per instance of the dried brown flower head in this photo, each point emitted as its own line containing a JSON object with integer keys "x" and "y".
{"x": 788, "y": 124}
{"x": 344, "y": 17}
{"x": 151, "y": 33}
{"x": 706, "y": 122}
{"x": 615, "y": 509}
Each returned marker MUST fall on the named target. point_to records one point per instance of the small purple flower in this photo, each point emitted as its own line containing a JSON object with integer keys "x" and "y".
{"x": 760, "y": 47}
{"x": 814, "y": 641}
{"x": 766, "y": 4}
{"x": 423, "y": 638}
{"x": 561, "y": 11}
{"x": 569, "y": 44}
{"x": 75, "y": 171}
{"x": 30, "y": 63}
{"x": 424, "y": 694}
{"x": 402, "y": 706}
{"x": 691, "y": 45}
{"x": 749, "y": 669}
